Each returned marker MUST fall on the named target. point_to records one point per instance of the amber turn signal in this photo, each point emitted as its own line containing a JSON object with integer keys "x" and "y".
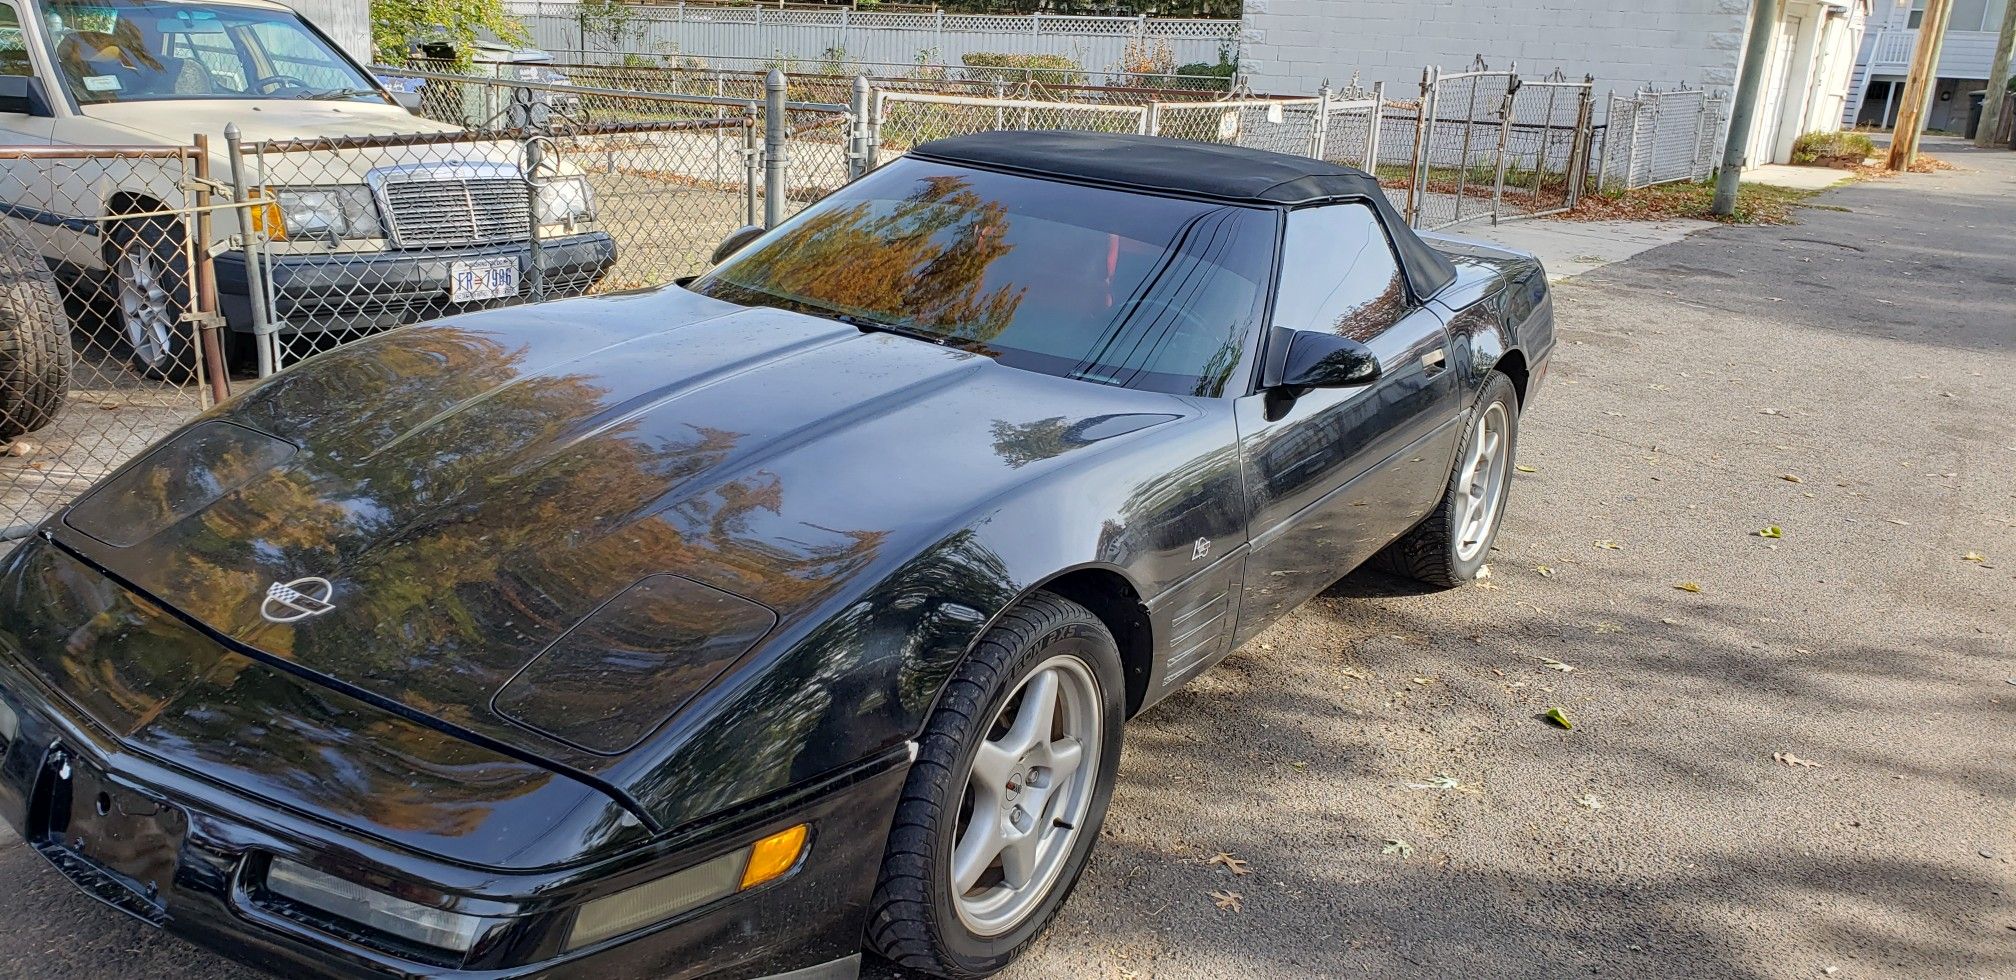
{"x": 774, "y": 855}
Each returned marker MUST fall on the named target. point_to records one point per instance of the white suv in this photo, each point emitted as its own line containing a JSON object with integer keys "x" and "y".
{"x": 362, "y": 239}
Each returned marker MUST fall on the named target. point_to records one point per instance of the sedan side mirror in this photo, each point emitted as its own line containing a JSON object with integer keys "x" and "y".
{"x": 1325, "y": 360}
{"x": 23, "y": 94}
{"x": 735, "y": 240}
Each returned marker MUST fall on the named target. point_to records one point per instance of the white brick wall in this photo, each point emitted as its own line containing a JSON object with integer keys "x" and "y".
{"x": 1293, "y": 45}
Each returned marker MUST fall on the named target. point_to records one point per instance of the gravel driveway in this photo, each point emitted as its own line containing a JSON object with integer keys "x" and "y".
{"x": 1379, "y": 762}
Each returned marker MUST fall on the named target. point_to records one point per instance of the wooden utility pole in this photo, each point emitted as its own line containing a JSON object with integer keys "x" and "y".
{"x": 1918, "y": 84}
{"x": 1998, "y": 81}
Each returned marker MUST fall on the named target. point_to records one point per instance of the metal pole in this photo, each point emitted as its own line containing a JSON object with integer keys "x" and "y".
{"x": 1504, "y": 138}
{"x": 535, "y": 153}
{"x": 255, "y": 289}
{"x": 774, "y": 151}
{"x": 209, "y": 341}
{"x": 752, "y": 161}
{"x": 857, "y": 129}
{"x": 1373, "y": 127}
{"x": 1743, "y": 113}
{"x": 1319, "y": 130}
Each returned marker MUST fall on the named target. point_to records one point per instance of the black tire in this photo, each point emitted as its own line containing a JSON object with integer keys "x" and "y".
{"x": 913, "y": 921}
{"x": 1430, "y": 552}
{"x": 159, "y": 241}
{"x": 34, "y": 340}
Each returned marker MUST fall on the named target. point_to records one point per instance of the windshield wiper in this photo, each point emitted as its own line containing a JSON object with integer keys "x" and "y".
{"x": 866, "y": 325}
{"x": 334, "y": 94}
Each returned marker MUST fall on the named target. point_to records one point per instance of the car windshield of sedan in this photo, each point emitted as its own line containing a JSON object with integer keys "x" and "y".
{"x": 1135, "y": 290}
{"x": 146, "y": 50}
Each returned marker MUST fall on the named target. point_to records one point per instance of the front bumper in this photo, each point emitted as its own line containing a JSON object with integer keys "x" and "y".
{"x": 169, "y": 848}
{"x": 318, "y": 293}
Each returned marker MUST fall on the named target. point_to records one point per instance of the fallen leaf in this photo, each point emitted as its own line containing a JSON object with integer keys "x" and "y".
{"x": 1443, "y": 781}
{"x": 108, "y": 405}
{"x": 1235, "y": 865}
{"x": 1559, "y": 717}
{"x": 1299, "y": 766}
{"x": 1773, "y": 531}
{"x": 1552, "y": 664}
{"x": 1545, "y": 572}
{"x": 21, "y": 447}
{"x": 1688, "y": 586}
{"x": 1227, "y": 899}
{"x": 1609, "y": 545}
{"x": 1397, "y": 846}
{"x": 1523, "y": 468}
{"x": 1790, "y": 478}
{"x": 1898, "y": 522}
{"x": 1974, "y": 556}
{"x": 1590, "y": 801}
{"x": 1424, "y": 681}
{"x": 1792, "y": 760}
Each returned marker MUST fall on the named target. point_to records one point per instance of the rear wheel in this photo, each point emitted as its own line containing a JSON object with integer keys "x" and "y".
{"x": 1451, "y": 545}
{"x": 1005, "y": 800}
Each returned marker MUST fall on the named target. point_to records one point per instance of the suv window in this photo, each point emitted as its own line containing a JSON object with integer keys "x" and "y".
{"x": 13, "y": 44}
{"x": 1338, "y": 274}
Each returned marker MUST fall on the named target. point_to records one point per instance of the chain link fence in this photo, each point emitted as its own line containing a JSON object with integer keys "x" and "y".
{"x": 106, "y": 338}
{"x": 1656, "y": 137}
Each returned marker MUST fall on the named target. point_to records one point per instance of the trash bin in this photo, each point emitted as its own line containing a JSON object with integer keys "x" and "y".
{"x": 1974, "y": 104}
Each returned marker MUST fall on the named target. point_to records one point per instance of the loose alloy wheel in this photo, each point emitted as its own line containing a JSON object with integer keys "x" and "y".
{"x": 1004, "y": 802}
{"x": 1450, "y": 545}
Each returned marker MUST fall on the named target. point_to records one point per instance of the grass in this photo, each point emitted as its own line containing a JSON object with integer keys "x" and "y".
{"x": 1756, "y": 204}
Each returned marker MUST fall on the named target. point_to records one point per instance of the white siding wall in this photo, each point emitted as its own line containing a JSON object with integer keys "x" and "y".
{"x": 347, "y": 22}
{"x": 1292, "y": 45}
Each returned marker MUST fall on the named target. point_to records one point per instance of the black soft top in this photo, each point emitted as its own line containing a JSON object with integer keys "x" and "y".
{"x": 1207, "y": 170}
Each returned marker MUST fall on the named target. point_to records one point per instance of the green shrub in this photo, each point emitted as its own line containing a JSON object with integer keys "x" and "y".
{"x": 1049, "y": 69}
{"x": 1829, "y": 147}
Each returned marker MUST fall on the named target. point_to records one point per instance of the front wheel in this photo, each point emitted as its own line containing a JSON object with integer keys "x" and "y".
{"x": 1005, "y": 800}
{"x": 150, "y": 277}
{"x": 1449, "y": 547}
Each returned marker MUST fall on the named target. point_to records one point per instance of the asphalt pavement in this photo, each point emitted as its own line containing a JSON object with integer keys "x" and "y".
{"x": 1791, "y": 754}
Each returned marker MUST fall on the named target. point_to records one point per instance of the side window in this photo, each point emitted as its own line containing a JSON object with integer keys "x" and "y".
{"x": 13, "y": 44}
{"x": 1338, "y": 274}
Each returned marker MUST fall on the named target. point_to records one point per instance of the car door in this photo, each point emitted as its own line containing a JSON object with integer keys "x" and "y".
{"x": 1333, "y": 475}
{"x": 24, "y": 184}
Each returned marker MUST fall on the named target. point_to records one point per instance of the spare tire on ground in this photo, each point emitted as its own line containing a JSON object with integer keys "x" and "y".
{"x": 34, "y": 339}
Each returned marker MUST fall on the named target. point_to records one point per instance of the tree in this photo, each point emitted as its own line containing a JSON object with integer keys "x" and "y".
{"x": 396, "y": 24}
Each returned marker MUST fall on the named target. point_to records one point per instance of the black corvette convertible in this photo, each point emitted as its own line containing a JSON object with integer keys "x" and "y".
{"x": 726, "y": 629}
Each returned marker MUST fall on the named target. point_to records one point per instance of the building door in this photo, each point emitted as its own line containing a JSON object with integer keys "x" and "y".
{"x": 1777, "y": 76}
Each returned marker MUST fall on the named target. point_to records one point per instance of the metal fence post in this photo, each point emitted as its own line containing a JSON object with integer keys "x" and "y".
{"x": 1631, "y": 158}
{"x": 1578, "y": 148}
{"x": 1504, "y": 138}
{"x": 249, "y": 225}
{"x": 535, "y": 154}
{"x": 873, "y": 135}
{"x": 774, "y": 127}
{"x": 1417, "y": 167}
{"x": 752, "y": 163}
{"x": 1374, "y": 127}
{"x": 1319, "y": 131}
{"x": 857, "y": 129}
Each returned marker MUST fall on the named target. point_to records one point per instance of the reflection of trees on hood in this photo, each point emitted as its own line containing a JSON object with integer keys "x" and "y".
{"x": 923, "y": 259}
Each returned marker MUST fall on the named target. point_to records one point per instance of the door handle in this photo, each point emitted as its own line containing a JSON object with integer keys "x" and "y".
{"x": 1434, "y": 361}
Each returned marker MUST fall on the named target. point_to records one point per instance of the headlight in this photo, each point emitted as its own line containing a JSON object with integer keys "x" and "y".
{"x": 324, "y": 212}
{"x": 565, "y": 199}
{"x": 374, "y": 909}
{"x": 655, "y": 901}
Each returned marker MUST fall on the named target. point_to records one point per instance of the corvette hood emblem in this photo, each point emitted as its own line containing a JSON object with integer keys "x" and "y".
{"x": 291, "y": 602}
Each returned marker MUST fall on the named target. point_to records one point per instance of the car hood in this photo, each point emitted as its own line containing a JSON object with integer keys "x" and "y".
{"x": 683, "y": 468}
{"x": 262, "y": 119}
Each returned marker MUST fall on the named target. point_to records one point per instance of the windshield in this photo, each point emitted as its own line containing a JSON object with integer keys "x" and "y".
{"x": 1101, "y": 285}
{"x": 143, "y": 50}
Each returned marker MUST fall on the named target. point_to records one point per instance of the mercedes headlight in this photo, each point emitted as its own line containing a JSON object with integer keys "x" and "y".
{"x": 565, "y": 199}
{"x": 342, "y": 212}
{"x": 373, "y": 909}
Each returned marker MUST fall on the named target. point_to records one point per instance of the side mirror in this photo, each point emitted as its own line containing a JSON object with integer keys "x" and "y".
{"x": 1323, "y": 360}
{"x": 735, "y": 240}
{"x": 23, "y": 94}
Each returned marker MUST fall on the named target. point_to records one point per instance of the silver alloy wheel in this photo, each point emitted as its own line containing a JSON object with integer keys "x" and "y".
{"x": 1483, "y": 481}
{"x": 1026, "y": 795}
{"x": 145, "y": 312}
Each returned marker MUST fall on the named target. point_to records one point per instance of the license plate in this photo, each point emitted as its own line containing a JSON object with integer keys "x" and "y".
{"x": 474, "y": 279}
